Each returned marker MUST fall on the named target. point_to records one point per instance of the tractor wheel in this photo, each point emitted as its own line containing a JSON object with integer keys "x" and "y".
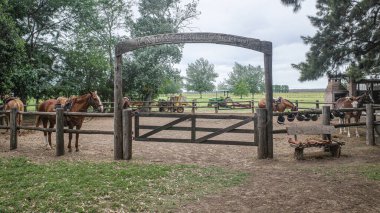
{"x": 180, "y": 109}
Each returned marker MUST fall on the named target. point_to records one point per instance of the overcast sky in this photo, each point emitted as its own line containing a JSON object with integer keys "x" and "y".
{"x": 265, "y": 20}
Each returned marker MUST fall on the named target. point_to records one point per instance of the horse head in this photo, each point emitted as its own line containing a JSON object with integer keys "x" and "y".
{"x": 365, "y": 98}
{"x": 95, "y": 102}
{"x": 289, "y": 104}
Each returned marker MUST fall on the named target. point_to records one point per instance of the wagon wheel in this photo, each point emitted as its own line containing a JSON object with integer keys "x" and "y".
{"x": 180, "y": 109}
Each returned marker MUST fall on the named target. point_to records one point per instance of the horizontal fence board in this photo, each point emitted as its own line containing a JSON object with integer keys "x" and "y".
{"x": 350, "y": 124}
{"x": 173, "y": 140}
{"x": 101, "y": 132}
{"x": 37, "y": 128}
{"x": 199, "y": 129}
{"x": 279, "y": 131}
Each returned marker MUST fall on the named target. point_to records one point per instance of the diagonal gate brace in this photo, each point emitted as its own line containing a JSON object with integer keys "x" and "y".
{"x": 224, "y": 130}
{"x": 166, "y": 126}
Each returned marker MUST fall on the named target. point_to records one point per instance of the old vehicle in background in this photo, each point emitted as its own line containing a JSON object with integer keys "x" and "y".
{"x": 173, "y": 104}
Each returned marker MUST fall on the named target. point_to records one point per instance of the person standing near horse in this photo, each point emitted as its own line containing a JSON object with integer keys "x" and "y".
{"x": 351, "y": 102}
{"x": 13, "y": 102}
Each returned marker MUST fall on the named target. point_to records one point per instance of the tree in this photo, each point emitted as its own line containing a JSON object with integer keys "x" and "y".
{"x": 296, "y": 4}
{"x": 223, "y": 85}
{"x": 84, "y": 69}
{"x": 102, "y": 23}
{"x": 200, "y": 76}
{"x": 348, "y": 35}
{"x": 241, "y": 88}
{"x": 148, "y": 67}
{"x": 253, "y": 76}
{"x": 11, "y": 47}
{"x": 172, "y": 84}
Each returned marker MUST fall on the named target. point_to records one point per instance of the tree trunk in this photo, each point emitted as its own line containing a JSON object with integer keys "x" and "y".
{"x": 147, "y": 99}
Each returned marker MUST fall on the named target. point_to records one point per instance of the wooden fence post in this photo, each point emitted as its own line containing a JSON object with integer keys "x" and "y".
{"x": 252, "y": 106}
{"x": 370, "y": 136}
{"x": 262, "y": 149}
{"x": 255, "y": 130}
{"x": 317, "y": 104}
{"x": 137, "y": 125}
{"x": 326, "y": 120}
{"x": 193, "y": 107}
{"x": 193, "y": 128}
{"x": 296, "y": 103}
{"x": 127, "y": 134}
{"x": 13, "y": 128}
{"x": 216, "y": 108}
{"x": 60, "y": 142}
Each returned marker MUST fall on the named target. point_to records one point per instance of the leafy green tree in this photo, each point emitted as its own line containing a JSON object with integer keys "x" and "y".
{"x": 148, "y": 67}
{"x": 172, "y": 84}
{"x": 241, "y": 88}
{"x": 102, "y": 23}
{"x": 200, "y": 76}
{"x": 296, "y": 4}
{"x": 253, "y": 76}
{"x": 11, "y": 47}
{"x": 223, "y": 85}
{"x": 348, "y": 35}
{"x": 83, "y": 70}
{"x": 31, "y": 82}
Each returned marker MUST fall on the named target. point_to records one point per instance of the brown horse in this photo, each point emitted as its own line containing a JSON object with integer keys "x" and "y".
{"x": 81, "y": 104}
{"x": 279, "y": 105}
{"x": 12, "y": 102}
{"x": 49, "y": 106}
{"x": 351, "y": 102}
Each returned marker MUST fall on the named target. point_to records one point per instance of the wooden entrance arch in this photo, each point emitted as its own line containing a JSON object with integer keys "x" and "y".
{"x": 178, "y": 38}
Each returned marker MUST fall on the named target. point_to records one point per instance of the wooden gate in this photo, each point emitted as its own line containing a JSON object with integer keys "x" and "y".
{"x": 206, "y": 139}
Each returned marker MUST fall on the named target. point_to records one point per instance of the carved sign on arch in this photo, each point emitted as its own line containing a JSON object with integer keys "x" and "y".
{"x": 177, "y": 38}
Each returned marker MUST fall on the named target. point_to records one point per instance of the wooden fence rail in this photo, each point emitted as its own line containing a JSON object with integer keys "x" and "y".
{"x": 258, "y": 133}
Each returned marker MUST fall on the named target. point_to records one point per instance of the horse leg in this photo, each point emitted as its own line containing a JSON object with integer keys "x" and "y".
{"x": 44, "y": 123}
{"x": 356, "y": 128}
{"x": 70, "y": 138}
{"x": 348, "y": 128}
{"x": 77, "y": 139}
{"x": 341, "y": 121}
{"x": 51, "y": 125}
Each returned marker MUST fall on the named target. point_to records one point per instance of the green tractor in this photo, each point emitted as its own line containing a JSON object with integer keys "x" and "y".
{"x": 220, "y": 102}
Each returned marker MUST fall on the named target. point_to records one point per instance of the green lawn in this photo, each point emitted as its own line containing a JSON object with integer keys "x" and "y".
{"x": 97, "y": 187}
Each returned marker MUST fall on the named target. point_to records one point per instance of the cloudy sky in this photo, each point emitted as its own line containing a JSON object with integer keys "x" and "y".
{"x": 265, "y": 20}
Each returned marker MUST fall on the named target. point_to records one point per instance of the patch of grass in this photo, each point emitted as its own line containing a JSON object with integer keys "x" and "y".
{"x": 94, "y": 187}
{"x": 371, "y": 172}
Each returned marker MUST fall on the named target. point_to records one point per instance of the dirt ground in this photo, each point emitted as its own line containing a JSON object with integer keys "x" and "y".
{"x": 320, "y": 183}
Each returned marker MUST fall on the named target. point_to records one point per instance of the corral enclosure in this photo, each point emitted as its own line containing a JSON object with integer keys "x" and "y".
{"x": 317, "y": 180}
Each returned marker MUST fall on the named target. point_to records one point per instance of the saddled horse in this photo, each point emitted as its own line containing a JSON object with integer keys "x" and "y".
{"x": 13, "y": 102}
{"x": 351, "y": 102}
{"x": 81, "y": 104}
{"x": 49, "y": 106}
{"x": 279, "y": 105}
